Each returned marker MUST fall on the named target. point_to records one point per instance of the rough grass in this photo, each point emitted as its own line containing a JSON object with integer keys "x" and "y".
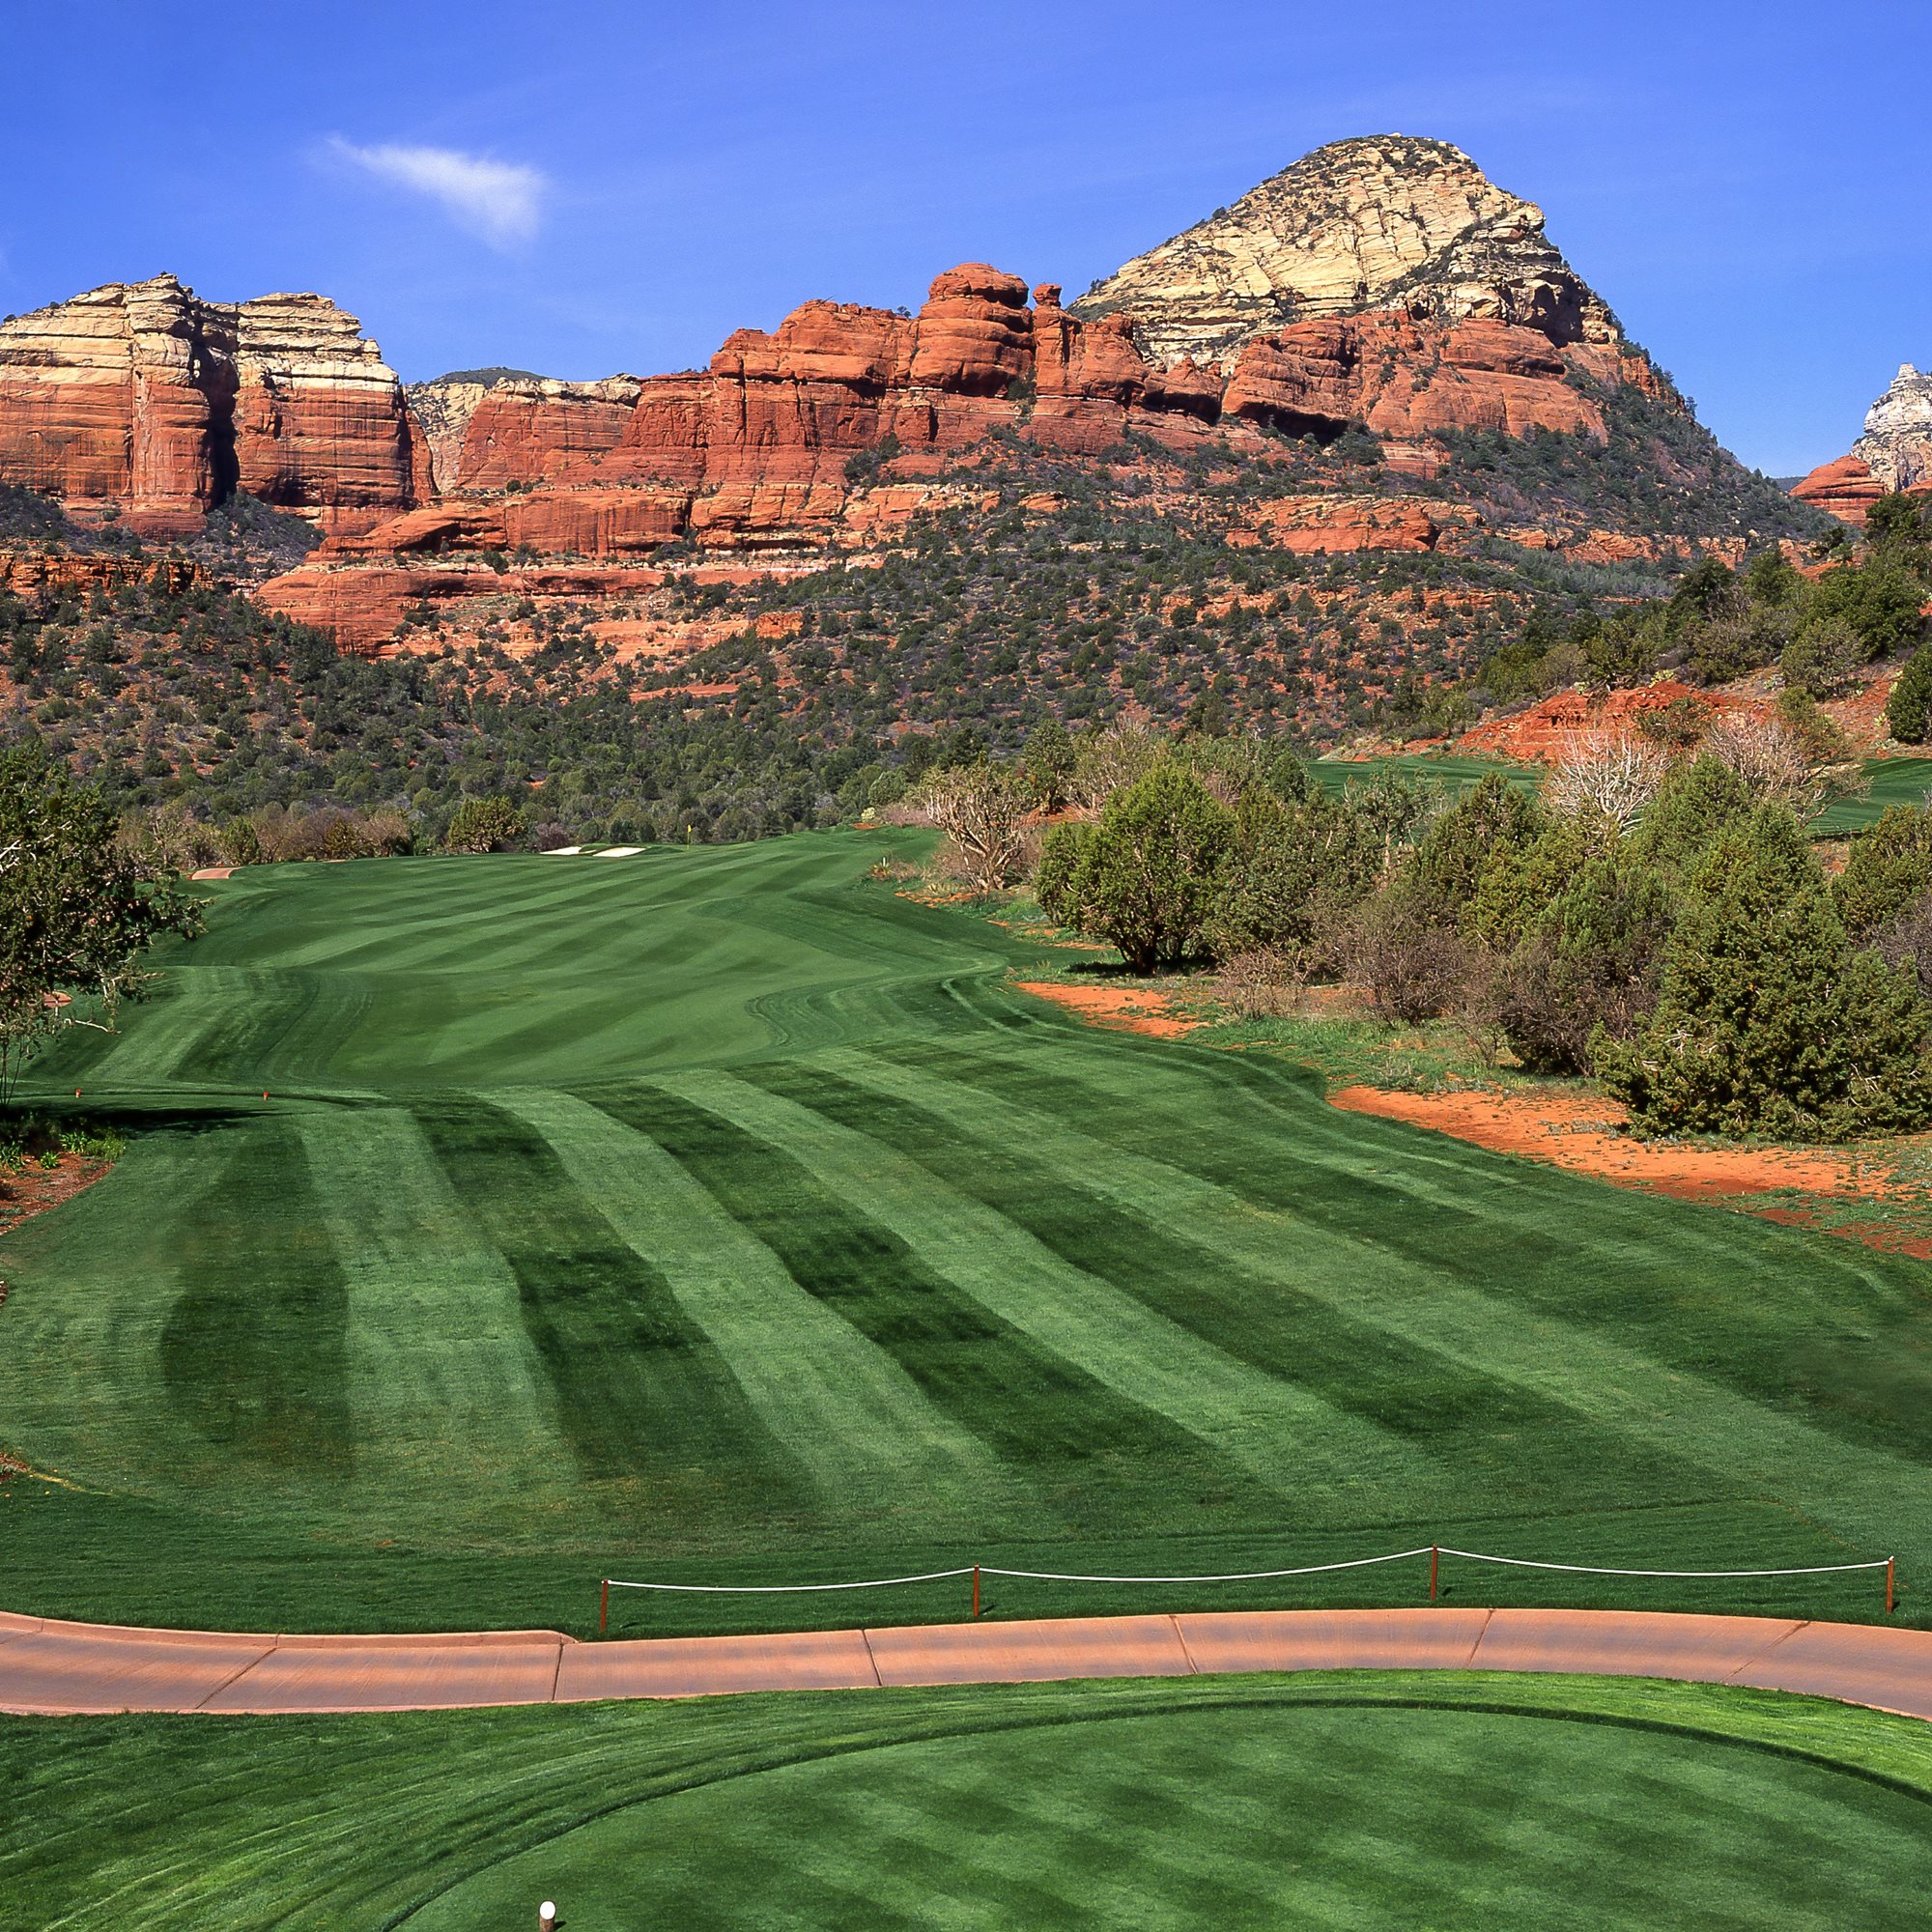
{"x": 719, "y": 1215}
{"x": 1893, "y": 782}
{"x": 1351, "y": 1799}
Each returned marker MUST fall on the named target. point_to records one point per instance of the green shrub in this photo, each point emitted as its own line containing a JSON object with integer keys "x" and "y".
{"x": 1908, "y": 709}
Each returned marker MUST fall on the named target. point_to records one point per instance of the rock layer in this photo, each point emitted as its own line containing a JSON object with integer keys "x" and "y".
{"x": 1387, "y": 223}
{"x": 833, "y": 428}
{"x": 143, "y": 401}
{"x": 1896, "y": 445}
{"x": 1844, "y": 487}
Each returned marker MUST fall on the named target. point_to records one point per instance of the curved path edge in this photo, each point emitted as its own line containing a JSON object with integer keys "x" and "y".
{"x": 53, "y": 1668}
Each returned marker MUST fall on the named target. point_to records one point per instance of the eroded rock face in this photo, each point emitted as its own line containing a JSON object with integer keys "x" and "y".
{"x": 1403, "y": 378}
{"x": 1388, "y": 222}
{"x": 1896, "y": 445}
{"x": 832, "y": 430}
{"x": 40, "y": 578}
{"x": 1844, "y": 487}
{"x": 521, "y": 429}
{"x": 142, "y": 399}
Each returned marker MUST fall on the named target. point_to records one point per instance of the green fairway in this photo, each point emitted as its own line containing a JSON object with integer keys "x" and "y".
{"x": 1452, "y": 773}
{"x": 1352, "y": 1800}
{"x": 1894, "y": 781}
{"x": 721, "y": 1216}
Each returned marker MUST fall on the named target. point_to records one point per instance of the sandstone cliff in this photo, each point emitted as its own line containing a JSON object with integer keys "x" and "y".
{"x": 835, "y": 428}
{"x": 142, "y": 400}
{"x": 1893, "y": 453}
{"x": 1383, "y": 222}
{"x": 1896, "y": 445}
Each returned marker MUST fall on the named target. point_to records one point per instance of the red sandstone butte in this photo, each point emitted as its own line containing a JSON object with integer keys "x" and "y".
{"x": 1845, "y": 488}
{"x": 144, "y": 400}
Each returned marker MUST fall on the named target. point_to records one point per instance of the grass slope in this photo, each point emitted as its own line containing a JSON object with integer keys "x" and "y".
{"x": 1354, "y": 1800}
{"x": 718, "y": 1214}
{"x": 1893, "y": 782}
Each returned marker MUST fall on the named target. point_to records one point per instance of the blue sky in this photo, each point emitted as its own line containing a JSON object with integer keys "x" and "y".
{"x": 580, "y": 188}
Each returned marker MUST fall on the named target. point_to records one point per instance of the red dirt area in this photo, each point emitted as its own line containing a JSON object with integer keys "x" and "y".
{"x": 1134, "y": 1009}
{"x": 1580, "y": 1132}
{"x": 36, "y": 1188}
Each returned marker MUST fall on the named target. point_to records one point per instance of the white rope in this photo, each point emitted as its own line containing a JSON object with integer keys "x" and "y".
{"x": 787, "y": 1589}
{"x": 1600, "y": 1569}
{"x": 1232, "y": 1576}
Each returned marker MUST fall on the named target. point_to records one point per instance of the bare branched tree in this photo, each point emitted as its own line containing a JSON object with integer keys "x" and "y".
{"x": 982, "y": 809}
{"x": 1609, "y": 775}
{"x": 1770, "y": 757}
{"x": 1113, "y": 760}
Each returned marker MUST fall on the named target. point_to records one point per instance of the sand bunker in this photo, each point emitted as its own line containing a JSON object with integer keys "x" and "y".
{"x": 1134, "y": 1009}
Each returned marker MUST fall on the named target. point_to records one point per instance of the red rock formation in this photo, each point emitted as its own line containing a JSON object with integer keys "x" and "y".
{"x": 756, "y": 453}
{"x": 143, "y": 400}
{"x": 1330, "y": 526}
{"x": 1403, "y": 378}
{"x": 1845, "y": 489}
{"x": 41, "y": 577}
{"x": 1549, "y": 729}
{"x": 523, "y": 430}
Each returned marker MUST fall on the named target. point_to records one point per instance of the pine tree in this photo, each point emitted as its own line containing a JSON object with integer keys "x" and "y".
{"x": 1768, "y": 1021}
{"x": 1147, "y": 874}
{"x": 1910, "y": 706}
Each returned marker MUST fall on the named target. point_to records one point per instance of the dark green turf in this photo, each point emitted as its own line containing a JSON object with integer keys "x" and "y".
{"x": 1893, "y": 782}
{"x": 1454, "y": 775}
{"x": 1356, "y": 1800}
{"x": 721, "y": 1215}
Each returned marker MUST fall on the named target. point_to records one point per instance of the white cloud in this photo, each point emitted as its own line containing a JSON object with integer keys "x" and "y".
{"x": 502, "y": 201}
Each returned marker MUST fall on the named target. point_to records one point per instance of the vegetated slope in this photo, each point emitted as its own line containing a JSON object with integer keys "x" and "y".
{"x": 167, "y": 689}
{"x": 719, "y": 1216}
{"x": 1378, "y": 356}
{"x": 1524, "y": 1800}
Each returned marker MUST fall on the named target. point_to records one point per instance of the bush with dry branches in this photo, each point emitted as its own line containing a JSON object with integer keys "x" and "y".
{"x": 1770, "y": 757}
{"x": 982, "y": 811}
{"x": 1608, "y": 775}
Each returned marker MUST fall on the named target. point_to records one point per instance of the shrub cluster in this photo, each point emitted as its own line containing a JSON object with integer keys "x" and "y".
{"x": 1685, "y": 947}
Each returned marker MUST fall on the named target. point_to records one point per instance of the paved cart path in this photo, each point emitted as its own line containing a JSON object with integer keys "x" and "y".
{"x": 66, "y": 1668}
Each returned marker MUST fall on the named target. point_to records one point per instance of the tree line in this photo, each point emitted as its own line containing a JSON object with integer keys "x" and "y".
{"x": 1663, "y": 925}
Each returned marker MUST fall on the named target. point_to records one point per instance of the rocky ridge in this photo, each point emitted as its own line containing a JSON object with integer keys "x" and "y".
{"x": 142, "y": 401}
{"x": 837, "y": 427}
{"x": 1384, "y": 222}
{"x": 1894, "y": 452}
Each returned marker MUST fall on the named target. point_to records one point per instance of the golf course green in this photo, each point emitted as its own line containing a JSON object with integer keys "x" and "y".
{"x": 721, "y": 1216}
{"x": 1367, "y": 1801}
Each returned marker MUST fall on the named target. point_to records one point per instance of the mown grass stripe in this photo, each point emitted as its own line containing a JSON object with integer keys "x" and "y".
{"x": 445, "y": 1386}
{"x": 1035, "y": 1406}
{"x": 641, "y": 1391}
{"x": 1285, "y": 1435}
{"x": 253, "y": 1350}
{"x": 1695, "y": 1423}
{"x": 1826, "y": 1317}
{"x": 843, "y": 1406}
{"x": 1295, "y": 1342}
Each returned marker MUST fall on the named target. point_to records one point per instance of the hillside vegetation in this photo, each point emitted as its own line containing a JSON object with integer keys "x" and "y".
{"x": 722, "y": 1215}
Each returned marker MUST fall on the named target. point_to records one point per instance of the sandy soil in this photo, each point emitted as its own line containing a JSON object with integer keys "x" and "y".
{"x": 1580, "y": 1132}
{"x": 212, "y": 872}
{"x": 38, "y": 1188}
{"x": 1133, "y": 1008}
